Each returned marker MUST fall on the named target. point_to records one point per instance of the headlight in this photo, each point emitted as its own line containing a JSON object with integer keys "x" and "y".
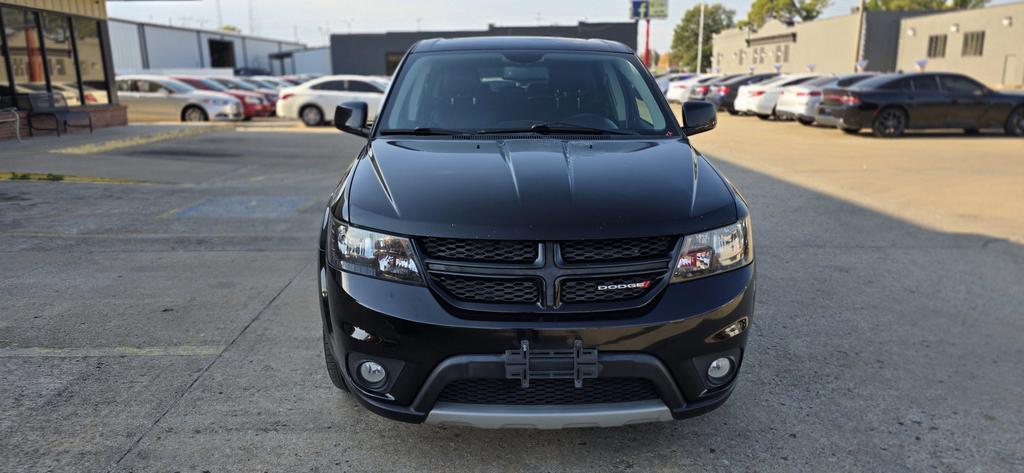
{"x": 253, "y": 100}
{"x": 371, "y": 253}
{"x": 715, "y": 251}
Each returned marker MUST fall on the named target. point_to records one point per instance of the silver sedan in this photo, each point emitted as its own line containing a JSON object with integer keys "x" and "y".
{"x": 157, "y": 98}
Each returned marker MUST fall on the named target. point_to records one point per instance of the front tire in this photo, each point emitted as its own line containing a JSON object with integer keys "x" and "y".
{"x": 1015, "y": 122}
{"x": 311, "y": 115}
{"x": 193, "y": 113}
{"x": 333, "y": 369}
{"x": 891, "y": 122}
{"x": 805, "y": 121}
{"x": 850, "y": 131}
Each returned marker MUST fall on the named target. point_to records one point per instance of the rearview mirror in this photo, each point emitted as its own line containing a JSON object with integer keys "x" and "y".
{"x": 350, "y": 117}
{"x": 698, "y": 117}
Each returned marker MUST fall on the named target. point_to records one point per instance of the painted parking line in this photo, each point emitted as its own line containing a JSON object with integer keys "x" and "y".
{"x": 95, "y": 352}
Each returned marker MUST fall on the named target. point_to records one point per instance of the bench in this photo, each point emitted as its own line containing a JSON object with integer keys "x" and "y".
{"x": 10, "y": 115}
{"x": 44, "y": 104}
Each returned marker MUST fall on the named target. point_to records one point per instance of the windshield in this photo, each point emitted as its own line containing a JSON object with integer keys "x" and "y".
{"x": 235, "y": 84}
{"x": 517, "y": 91}
{"x": 176, "y": 85}
{"x": 212, "y": 85}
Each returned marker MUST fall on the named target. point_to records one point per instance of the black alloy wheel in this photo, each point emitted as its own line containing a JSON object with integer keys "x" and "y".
{"x": 1015, "y": 122}
{"x": 890, "y": 123}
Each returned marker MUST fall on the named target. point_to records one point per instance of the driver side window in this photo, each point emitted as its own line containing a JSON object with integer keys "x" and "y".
{"x": 961, "y": 85}
{"x": 149, "y": 86}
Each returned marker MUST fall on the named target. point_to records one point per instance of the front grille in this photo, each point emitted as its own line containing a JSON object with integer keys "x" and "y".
{"x": 624, "y": 249}
{"x": 492, "y": 290}
{"x": 548, "y": 391}
{"x": 546, "y": 276}
{"x": 604, "y": 289}
{"x": 503, "y": 251}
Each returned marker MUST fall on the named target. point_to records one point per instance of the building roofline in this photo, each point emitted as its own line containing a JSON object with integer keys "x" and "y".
{"x": 207, "y": 31}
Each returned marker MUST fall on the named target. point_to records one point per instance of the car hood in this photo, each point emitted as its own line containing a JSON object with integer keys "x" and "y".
{"x": 239, "y": 93}
{"x": 536, "y": 189}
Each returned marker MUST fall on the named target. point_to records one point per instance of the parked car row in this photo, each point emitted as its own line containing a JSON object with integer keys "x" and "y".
{"x": 313, "y": 102}
{"x": 886, "y": 104}
{"x": 151, "y": 97}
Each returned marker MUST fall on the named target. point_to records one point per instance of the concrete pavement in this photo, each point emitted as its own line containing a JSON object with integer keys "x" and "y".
{"x": 174, "y": 327}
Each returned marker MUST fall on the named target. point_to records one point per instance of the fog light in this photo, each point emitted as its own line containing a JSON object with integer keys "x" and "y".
{"x": 372, "y": 374}
{"x": 719, "y": 369}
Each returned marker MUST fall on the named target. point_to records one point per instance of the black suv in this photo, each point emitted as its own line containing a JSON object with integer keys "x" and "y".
{"x": 528, "y": 239}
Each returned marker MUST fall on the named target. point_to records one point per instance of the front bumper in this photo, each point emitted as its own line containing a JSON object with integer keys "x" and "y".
{"x": 230, "y": 112}
{"x": 842, "y": 116}
{"x": 670, "y": 344}
{"x": 257, "y": 110}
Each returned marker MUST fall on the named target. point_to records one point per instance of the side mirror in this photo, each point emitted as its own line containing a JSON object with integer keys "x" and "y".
{"x": 350, "y": 117}
{"x": 698, "y": 117}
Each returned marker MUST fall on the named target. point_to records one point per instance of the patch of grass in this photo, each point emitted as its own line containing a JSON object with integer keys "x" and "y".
{"x": 111, "y": 145}
{"x": 51, "y": 177}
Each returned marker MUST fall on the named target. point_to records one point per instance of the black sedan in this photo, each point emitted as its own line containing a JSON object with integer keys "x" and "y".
{"x": 891, "y": 104}
{"x": 723, "y": 96}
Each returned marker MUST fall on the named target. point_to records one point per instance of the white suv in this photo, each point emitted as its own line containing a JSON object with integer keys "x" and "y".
{"x": 314, "y": 102}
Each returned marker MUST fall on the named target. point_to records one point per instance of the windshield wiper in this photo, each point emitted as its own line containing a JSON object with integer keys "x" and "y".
{"x": 425, "y": 131}
{"x": 559, "y": 127}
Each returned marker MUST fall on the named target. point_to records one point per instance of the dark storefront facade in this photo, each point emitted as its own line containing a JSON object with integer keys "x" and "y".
{"x": 60, "y": 51}
{"x": 379, "y": 53}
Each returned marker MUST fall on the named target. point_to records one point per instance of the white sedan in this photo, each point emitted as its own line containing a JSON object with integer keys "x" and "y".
{"x": 314, "y": 102}
{"x": 800, "y": 102}
{"x": 679, "y": 90}
{"x": 760, "y": 99}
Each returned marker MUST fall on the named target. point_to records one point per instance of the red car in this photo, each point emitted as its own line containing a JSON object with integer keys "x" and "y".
{"x": 254, "y": 104}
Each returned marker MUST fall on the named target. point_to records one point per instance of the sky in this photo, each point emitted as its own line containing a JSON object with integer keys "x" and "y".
{"x": 311, "y": 21}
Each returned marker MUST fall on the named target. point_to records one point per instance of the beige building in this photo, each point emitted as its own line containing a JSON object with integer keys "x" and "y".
{"x": 986, "y": 43}
{"x": 828, "y": 45}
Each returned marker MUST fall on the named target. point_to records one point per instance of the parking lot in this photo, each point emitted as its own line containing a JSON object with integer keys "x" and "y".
{"x": 162, "y": 314}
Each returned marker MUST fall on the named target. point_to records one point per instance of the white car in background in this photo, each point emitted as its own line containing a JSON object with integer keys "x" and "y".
{"x": 314, "y": 102}
{"x": 679, "y": 90}
{"x": 800, "y": 102}
{"x": 159, "y": 98}
{"x": 760, "y": 99}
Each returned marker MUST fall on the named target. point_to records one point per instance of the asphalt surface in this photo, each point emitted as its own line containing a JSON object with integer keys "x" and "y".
{"x": 172, "y": 325}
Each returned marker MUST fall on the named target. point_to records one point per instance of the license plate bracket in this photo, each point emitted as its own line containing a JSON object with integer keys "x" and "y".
{"x": 576, "y": 363}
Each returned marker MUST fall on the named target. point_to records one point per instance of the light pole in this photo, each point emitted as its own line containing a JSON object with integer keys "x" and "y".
{"x": 860, "y": 36}
{"x": 700, "y": 38}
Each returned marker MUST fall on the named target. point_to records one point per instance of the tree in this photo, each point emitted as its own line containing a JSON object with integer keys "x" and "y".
{"x": 911, "y": 5}
{"x": 684, "y": 38}
{"x": 786, "y": 11}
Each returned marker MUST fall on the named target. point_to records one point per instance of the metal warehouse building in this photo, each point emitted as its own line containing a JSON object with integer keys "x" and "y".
{"x": 379, "y": 53}
{"x": 138, "y": 46}
{"x": 986, "y": 43}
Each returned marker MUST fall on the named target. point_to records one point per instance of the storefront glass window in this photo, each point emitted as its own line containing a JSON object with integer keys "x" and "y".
{"x": 60, "y": 57}
{"x": 26, "y": 54}
{"x": 41, "y": 53}
{"x": 6, "y": 92}
{"x": 90, "y": 61}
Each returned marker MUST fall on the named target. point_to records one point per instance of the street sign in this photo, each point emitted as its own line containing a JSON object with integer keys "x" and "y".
{"x": 648, "y": 9}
